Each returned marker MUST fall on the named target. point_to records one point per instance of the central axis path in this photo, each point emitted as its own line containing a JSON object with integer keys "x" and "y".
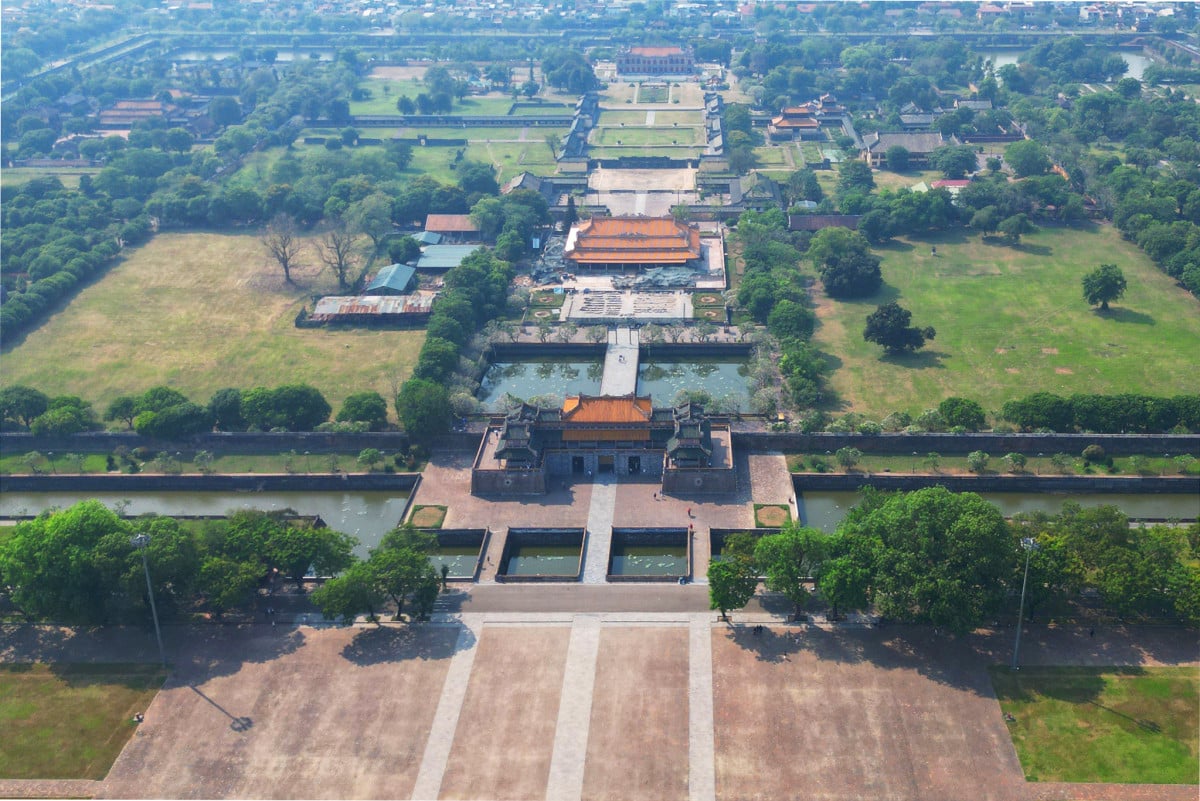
{"x": 620, "y": 362}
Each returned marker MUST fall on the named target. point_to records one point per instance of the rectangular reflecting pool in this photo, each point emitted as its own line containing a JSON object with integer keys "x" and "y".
{"x": 649, "y": 560}
{"x": 542, "y": 554}
{"x": 539, "y": 376}
{"x": 542, "y": 560}
{"x": 723, "y": 379}
{"x": 460, "y": 559}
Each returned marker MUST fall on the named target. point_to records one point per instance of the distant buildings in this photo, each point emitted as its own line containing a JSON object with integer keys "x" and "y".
{"x": 918, "y": 145}
{"x": 805, "y": 121}
{"x": 656, "y": 61}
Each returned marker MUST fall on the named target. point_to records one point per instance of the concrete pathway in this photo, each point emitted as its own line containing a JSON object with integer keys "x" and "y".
{"x": 445, "y": 720}
{"x": 702, "y": 776}
{"x": 770, "y": 481}
{"x": 569, "y": 757}
{"x": 599, "y": 529}
{"x": 620, "y": 362}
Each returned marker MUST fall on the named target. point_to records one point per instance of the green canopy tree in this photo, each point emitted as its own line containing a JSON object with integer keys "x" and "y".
{"x": 790, "y": 559}
{"x": 731, "y": 585}
{"x": 354, "y": 592}
{"x": 1103, "y": 284}
{"x": 940, "y": 557}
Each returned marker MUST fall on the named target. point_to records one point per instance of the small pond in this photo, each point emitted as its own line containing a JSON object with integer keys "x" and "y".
{"x": 529, "y": 378}
{"x": 649, "y": 560}
{"x": 721, "y": 378}
{"x": 1136, "y": 60}
{"x": 460, "y": 559}
{"x": 542, "y": 560}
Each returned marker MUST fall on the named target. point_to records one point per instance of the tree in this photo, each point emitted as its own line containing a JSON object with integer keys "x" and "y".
{"x": 52, "y": 569}
{"x": 939, "y": 557}
{"x": 336, "y": 250}
{"x": 961, "y": 412}
{"x": 295, "y": 407}
{"x": 371, "y": 216}
{"x": 1013, "y": 227}
{"x": 226, "y": 583}
{"x": 123, "y": 408}
{"x": 848, "y": 457}
{"x": 977, "y": 461}
{"x": 423, "y": 408}
{"x": 731, "y": 585}
{"x": 789, "y": 560}
{"x": 1015, "y": 461}
{"x": 791, "y": 320}
{"x": 346, "y": 596}
{"x": 845, "y": 576}
{"x": 403, "y": 571}
{"x": 295, "y": 549}
{"x": 986, "y": 220}
{"x": 369, "y": 457}
{"x": 1103, "y": 284}
{"x": 897, "y": 158}
{"x": 21, "y": 404}
{"x": 1026, "y": 158}
{"x": 854, "y": 176}
{"x": 225, "y": 409}
{"x": 405, "y": 106}
{"x": 365, "y": 407}
{"x": 845, "y": 263}
{"x": 889, "y": 326}
{"x": 282, "y": 240}
{"x": 955, "y": 161}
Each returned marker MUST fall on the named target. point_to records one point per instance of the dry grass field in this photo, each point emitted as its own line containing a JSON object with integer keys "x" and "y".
{"x": 198, "y": 312}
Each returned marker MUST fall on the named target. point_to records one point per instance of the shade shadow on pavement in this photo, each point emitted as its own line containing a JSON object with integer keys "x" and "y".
{"x": 377, "y": 645}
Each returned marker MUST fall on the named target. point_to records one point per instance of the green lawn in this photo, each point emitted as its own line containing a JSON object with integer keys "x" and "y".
{"x": 227, "y": 464}
{"x": 1011, "y": 321}
{"x": 198, "y": 312}
{"x": 635, "y": 137}
{"x": 1111, "y": 725}
{"x": 13, "y": 177}
{"x": 653, "y": 94}
{"x": 70, "y": 721}
{"x": 770, "y": 156}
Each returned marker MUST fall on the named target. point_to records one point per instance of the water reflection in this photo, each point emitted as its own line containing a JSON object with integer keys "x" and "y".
{"x": 539, "y": 377}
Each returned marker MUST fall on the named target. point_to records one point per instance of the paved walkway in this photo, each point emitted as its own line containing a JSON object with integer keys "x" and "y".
{"x": 574, "y": 711}
{"x": 702, "y": 781}
{"x": 599, "y": 529}
{"x": 445, "y": 720}
{"x": 49, "y": 788}
{"x": 620, "y": 362}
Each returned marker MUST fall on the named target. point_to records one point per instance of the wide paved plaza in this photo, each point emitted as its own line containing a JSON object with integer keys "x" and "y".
{"x": 582, "y": 705}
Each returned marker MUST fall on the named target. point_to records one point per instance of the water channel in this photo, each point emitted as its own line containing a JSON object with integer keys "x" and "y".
{"x": 824, "y": 510}
{"x": 999, "y": 57}
{"x": 649, "y": 560}
{"x": 542, "y": 560}
{"x": 724, "y": 378}
{"x": 366, "y": 516}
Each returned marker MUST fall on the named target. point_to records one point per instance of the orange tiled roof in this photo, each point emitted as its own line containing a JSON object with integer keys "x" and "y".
{"x": 450, "y": 223}
{"x": 795, "y": 122}
{"x": 606, "y": 409}
{"x": 632, "y": 240}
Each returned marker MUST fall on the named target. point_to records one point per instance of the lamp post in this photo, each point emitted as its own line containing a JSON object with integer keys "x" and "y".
{"x": 1030, "y": 545}
{"x": 140, "y": 542}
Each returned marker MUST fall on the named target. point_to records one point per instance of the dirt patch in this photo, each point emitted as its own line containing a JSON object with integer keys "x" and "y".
{"x": 638, "y": 738}
{"x": 543, "y": 314}
{"x": 771, "y": 516}
{"x": 1050, "y": 351}
{"x": 1002, "y": 351}
{"x": 710, "y": 299}
{"x": 1012, "y": 370}
{"x": 1064, "y": 371}
{"x": 428, "y": 516}
{"x": 399, "y": 73}
{"x": 711, "y": 314}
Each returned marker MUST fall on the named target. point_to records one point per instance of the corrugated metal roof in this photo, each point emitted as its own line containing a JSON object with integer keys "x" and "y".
{"x": 444, "y": 257}
{"x": 394, "y": 278}
{"x": 450, "y": 223}
{"x": 334, "y": 306}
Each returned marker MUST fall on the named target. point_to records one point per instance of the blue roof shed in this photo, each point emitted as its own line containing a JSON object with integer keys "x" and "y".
{"x": 394, "y": 279}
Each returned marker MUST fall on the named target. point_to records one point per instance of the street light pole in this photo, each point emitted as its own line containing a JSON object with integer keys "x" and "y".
{"x": 1030, "y": 545}
{"x": 140, "y": 542}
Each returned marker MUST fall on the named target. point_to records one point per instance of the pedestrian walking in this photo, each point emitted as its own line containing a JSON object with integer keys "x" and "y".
{"x": 689, "y": 511}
